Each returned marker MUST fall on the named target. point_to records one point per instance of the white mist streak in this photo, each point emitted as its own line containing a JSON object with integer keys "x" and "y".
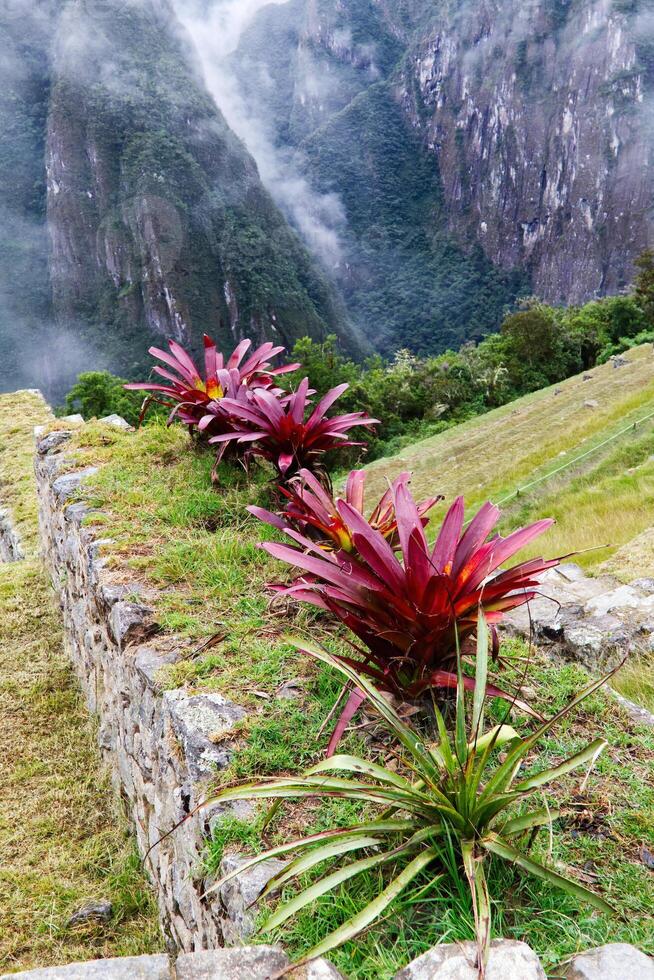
{"x": 216, "y": 28}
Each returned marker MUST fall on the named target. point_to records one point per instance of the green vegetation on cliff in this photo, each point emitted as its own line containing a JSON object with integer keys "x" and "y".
{"x": 408, "y": 283}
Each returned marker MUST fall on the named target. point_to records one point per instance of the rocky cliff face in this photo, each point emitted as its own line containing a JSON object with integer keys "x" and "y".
{"x": 157, "y": 221}
{"x": 322, "y": 78}
{"x": 156, "y": 211}
{"x": 538, "y": 116}
{"x": 465, "y": 153}
{"x": 536, "y": 119}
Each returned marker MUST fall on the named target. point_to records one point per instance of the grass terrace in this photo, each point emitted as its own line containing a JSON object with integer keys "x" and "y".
{"x": 191, "y": 552}
{"x": 64, "y": 840}
{"x": 605, "y": 499}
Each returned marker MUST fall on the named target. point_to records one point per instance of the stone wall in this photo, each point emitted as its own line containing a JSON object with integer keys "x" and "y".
{"x": 162, "y": 745}
{"x": 10, "y": 549}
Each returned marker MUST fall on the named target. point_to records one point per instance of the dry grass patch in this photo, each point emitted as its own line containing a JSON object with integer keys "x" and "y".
{"x": 63, "y": 838}
{"x": 491, "y": 456}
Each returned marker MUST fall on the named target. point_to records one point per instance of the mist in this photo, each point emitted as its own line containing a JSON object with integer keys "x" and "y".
{"x": 216, "y": 27}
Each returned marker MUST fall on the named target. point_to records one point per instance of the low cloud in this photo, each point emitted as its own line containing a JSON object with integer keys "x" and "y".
{"x": 215, "y": 29}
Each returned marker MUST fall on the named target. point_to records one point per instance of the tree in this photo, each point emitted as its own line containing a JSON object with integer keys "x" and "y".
{"x": 99, "y": 393}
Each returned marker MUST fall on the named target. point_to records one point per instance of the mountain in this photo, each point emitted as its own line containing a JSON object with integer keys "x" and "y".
{"x": 479, "y": 149}
{"x": 397, "y": 173}
{"x": 157, "y": 222}
{"x": 324, "y": 78}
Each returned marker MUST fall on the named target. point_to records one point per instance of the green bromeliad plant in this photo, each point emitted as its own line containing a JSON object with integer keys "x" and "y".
{"x": 465, "y": 790}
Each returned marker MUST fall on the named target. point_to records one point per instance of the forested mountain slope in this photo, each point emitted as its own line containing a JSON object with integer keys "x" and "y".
{"x": 157, "y": 221}
{"x": 451, "y": 155}
{"x": 477, "y": 148}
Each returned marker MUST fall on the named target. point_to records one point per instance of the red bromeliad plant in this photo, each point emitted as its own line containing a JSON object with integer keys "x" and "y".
{"x": 190, "y": 394}
{"x": 314, "y": 512}
{"x": 411, "y": 612}
{"x": 280, "y": 431}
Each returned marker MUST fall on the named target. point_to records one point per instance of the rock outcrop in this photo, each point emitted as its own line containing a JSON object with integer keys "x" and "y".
{"x": 536, "y": 119}
{"x": 538, "y": 116}
{"x": 596, "y": 621}
{"x": 157, "y": 220}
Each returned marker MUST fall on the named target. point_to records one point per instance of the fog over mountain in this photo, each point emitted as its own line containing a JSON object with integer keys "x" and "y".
{"x": 395, "y": 173}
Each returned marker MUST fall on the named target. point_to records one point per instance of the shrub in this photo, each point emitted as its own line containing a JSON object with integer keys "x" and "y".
{"x": 280, "y": 431}
{"x": 457, "y": 793}
{"x": 409, "y": 614}
{"x": 312, "y": 511}
{"x": 96, "y": 394}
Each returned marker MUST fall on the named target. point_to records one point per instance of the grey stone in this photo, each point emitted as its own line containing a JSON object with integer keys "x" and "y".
{"x": 572, "y": 572}
{"x": 591, "y": 403}
{"x": 65, "y": 486}
{"x": 94, "y": 912}
{"x": 75, "y": 513}
{"x": 126, "y": 617}
{"x": 645, "y": 585}
{"x": 10, "y": 549}
{"x": 124, "y": 968}
{"x": 111, "y": 594}
{"x": 118, "y": 422}
{"x": 290, "y": 690}
{"x": 76, "y": 418}
{"x": 599, "y": 643}
{"x": 623, "y": 598}
{"x": 585, "y": 641}
{"x": 616, "y": 961}
{"x": 52, "y": 441}
{"x": 197, "y": 720}
{"x": 149, "y": 662}
{"x": 238, "y": 895}
{"x": 247, "y": 963}
{"x": 456, "y": 961}
{"x": 239, "y": 810}
{"x": 317, "y": 970}
{"x": 640, "y": 715}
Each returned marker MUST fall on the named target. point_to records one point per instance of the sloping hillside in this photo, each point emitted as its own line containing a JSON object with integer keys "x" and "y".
{"x": 604, "y": 498}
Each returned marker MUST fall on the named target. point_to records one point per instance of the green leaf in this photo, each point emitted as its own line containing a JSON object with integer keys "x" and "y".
{"x": 294, "y": 845}
{"x": 460, "y": 739}
{"x": 481, "y": 677}
{"x": 474, "y": 869}
{"x": 336, "y": 878}
{"x": 319, "y": 854}
{"x": 301, "y": 788}
{"x": 375, "y": 827}
{"x": 537, "y": 818}
{"x": 444, "y": 755}
{"x": 486, "y": 810}
{"x": 496, "y": 845}
{"x": 504, "y": 774}
{"x": 351, "y": 763}
{"x": 374, "y": 909}
{"x": 409, "y": 739}
{"x": 588, "y": 754}
{"x": 495, "y": 738}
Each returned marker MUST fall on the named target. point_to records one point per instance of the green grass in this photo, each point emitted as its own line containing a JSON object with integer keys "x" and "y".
{"x": 597, "y": 501}
{"x": 64, "y": 838}
{"x": 598, "y": 843}
{"x": 636, "y": 681}
{"x": 191, "y": 551}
